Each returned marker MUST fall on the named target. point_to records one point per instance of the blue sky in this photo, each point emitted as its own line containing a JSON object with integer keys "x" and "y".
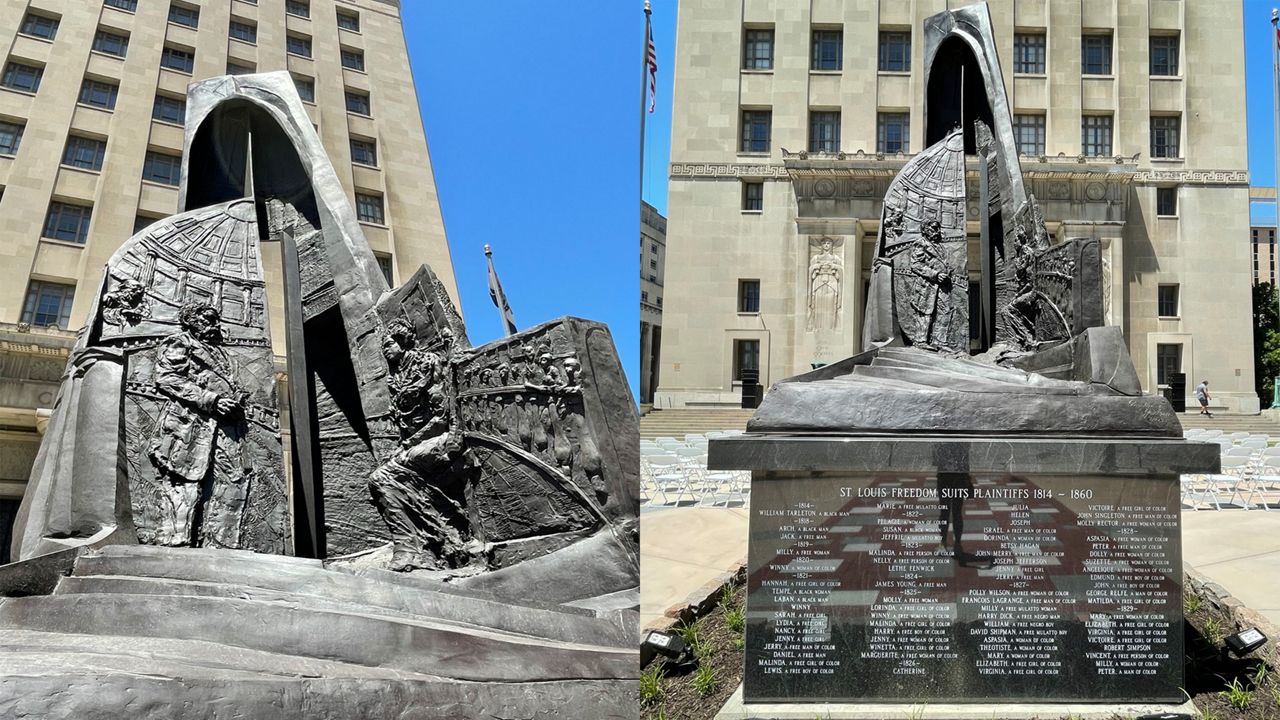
{"x": 657, "y": 144}
{"x": 532, "y": 117}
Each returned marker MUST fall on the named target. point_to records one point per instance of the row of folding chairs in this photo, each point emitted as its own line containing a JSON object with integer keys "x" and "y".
{"x": 1250, "y": 473}
{"x": 673, "y": 473}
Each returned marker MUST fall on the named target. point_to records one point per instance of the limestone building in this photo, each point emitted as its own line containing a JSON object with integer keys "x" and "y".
{"x": 790, "y": 119}
{"x": 91, "y": 112}
{"x": 653, "y": 255}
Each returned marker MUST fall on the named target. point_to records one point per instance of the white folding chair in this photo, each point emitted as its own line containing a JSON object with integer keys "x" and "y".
{"x": 694, "y": 437}
{"x": 1238, "y": 435}
{"x": 1211, "y": 433}
{"x": 668, "y": 476}
{"x": 1253, "y": 443}
{"x": 1234, "y": 470}
{"x": 1265, "y": 478}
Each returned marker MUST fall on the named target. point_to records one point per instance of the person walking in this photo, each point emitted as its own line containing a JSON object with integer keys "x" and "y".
{"x": 1202, "y": 394}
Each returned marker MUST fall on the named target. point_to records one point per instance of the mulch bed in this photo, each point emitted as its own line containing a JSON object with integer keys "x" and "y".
{"x": 1222, "y": 687}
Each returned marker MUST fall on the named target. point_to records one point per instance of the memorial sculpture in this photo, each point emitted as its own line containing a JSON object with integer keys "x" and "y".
{"x": 957, "y": 516}
{"x": 455, "y": 528}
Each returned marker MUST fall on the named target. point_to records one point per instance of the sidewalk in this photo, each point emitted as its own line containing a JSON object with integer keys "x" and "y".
{"x": 682, "y": 549}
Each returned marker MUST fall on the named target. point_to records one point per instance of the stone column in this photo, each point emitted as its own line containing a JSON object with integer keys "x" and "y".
{"x": 646, "y": 361}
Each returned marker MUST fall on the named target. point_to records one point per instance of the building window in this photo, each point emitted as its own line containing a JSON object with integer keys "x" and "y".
{"x": 241, "y": 30}
{"x": 748, "y": 296}
{"x": 369, "y": 208}
{"x": 752, "y": 195}
{"x": 1096, "y": 54}
{"x": 184, "y": 15}
{"x": 1168, "y": 362}
{"x": 353, "y": 59}
{"x": 180, "y": 60}
{"x": 895, "y": 51}
{"x": 1028, "y": 133}
{"x": 162, "y": 168}
{"x": 299, "y": 45}
{"x": 1167, "y": 300}
{"x": 364, "y": 152}
{"x": 40, "y": 26}
{"x": 746, "y": 359}
{"x": 757, "y": 50}
{"x": 111, "y": 43}
{"x": 142, "y": 222}
{"x": 1167, "y": 201}
{"x": 644, "y": 296}
{"x": 306, "y": 88}
{"x": 99, "y": 94}
{"x": 358, "y": 102}
{"x": 653, "y": 264}
{"x": 892, "y": 132}
{"x": 126, "y": 5}
{"x": 298, "y": 8}
{"x": 10, "y": 137}
{"x": 653, "y": 247}
{"x": 828, "y": 50}
{"x": 755, "y": 130}
{"x": 1095, "y": 135}
{"x": 1164, "y": 136}
{"x": 235, "y": 68}
{"x": 67, "y": 222}
{"x": 384, "y": 264}
{"x": 1028, "y": 53}
{"x": 1164, "y": 54}
{"x": 48, "y": 304}
{"x": 22, "y": 77}
{"x": 349, "y": 20}
{"x": 824, "y": 131}
{"x": 84, "y": 153}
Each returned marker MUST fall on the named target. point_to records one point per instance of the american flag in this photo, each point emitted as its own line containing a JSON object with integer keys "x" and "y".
{"x": 653, "y": 66}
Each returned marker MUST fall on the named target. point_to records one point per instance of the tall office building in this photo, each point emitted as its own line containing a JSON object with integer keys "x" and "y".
{"x": 653, "y": 255}
{"x": 91, "y": 112}
{"x": 790, "y": 119}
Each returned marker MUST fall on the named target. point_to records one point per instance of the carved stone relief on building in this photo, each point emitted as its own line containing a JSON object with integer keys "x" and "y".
{"x": 826, "y": 283}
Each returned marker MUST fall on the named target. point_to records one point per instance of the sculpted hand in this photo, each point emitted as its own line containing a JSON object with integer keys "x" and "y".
{"x": 225, "y": 405}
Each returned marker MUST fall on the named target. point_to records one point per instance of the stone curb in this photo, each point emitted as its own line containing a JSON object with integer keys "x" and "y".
{"x": 700, "y": 601}
{"x": 1242, "y": 618}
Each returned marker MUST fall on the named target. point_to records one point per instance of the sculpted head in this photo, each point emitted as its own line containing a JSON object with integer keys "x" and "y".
{"x": 201, "y": 320}
{"x": 399, "y": 339}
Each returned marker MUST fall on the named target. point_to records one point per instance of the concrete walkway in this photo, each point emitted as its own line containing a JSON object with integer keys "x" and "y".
{"x": 682, "y": 549}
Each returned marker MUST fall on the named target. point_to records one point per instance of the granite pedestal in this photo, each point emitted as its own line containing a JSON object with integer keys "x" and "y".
{"x": 945, "y": 569}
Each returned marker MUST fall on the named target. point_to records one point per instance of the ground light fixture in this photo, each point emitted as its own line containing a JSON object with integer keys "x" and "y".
{"x": 1245, "y": 641}
{"x": 669, "y": 645}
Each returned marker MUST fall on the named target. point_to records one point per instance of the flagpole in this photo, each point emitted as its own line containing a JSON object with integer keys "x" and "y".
{"x": 644, "y": 92}
{"x": 1275, "y": 118}
{"x": 497, "y": 294}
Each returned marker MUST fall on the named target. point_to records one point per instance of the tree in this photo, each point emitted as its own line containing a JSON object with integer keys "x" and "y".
{"x": 1266, "y": 341}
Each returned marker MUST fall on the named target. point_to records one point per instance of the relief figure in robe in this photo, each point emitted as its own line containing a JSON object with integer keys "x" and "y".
{"x": 930, "y": 289}
{"x": 826, "y": 271}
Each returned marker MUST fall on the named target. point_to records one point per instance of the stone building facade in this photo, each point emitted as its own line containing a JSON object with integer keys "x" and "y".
{"x": 91, "y": 111}
{"x": 791, "y": 118}
{"x": 653, "y": 257}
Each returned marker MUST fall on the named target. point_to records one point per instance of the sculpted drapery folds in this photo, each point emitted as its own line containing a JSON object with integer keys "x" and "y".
{"x": 930, "y": 292}
{"x": 826, "y": 273}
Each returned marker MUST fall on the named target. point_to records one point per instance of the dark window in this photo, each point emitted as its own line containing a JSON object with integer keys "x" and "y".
{"x": 1028, "y": 133}
{"x": 10, "y": 137}
{"x": 748, "y": 296}
{"x": 8, "y": 514}
{"x": 384, "y": 264}
{"x": 245, "y": 31}
{"x": 48, "y": 304}
{"x": 235, "y": 68}
{"x": 369, "y": 208}
{"x": 162, "y": 168}
{"x": 644, "y": 296}
{"x": 22, "y": 77}
{"x": 169, "y": 109}
{"x": 752, "y": 195}
{"x": 1095, "y": 135}
{"x": 1096, "y": 54}
{"x": 353, "y": 59}
{"x": 99, "y": 94}
{"x": 1167, "y": 201}
{"x": 757, "y": 50}
{"x": 1167, "y": 300}
{"x": 746, "y": 357}
{"x": 1164, "y": 54}
{"x": 358, "y": 102}
{"x": 306, "y": 88}
{"x": 111, "y": 43}
{"x": 349, "y": 21}
{"x": 1028, "y": 53}
{"x": 1164, "y": 136}
{"x": 142, "y": 222}
{"x": 893, "y": 131}
{"x": 653, "y": 264}
{"x": 67, "y": 222}
{"x": 180, "y": 60}
{"x": 824, "y": 131}
{"x": 297, "y": 7}
{"x": 299, "y": 45}
{"x": 895, "y": 51}
{"x": 39, "y": 26}
{"x": 364, "y": 152}
{"x": 128, "y": 5}
{"x": 1168, "y": 362}
{"x": 828, "y": 50}
{"x": 183, "y": 15}
{"x": 84, "y": 153}
{"x": 755, "y": 130}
